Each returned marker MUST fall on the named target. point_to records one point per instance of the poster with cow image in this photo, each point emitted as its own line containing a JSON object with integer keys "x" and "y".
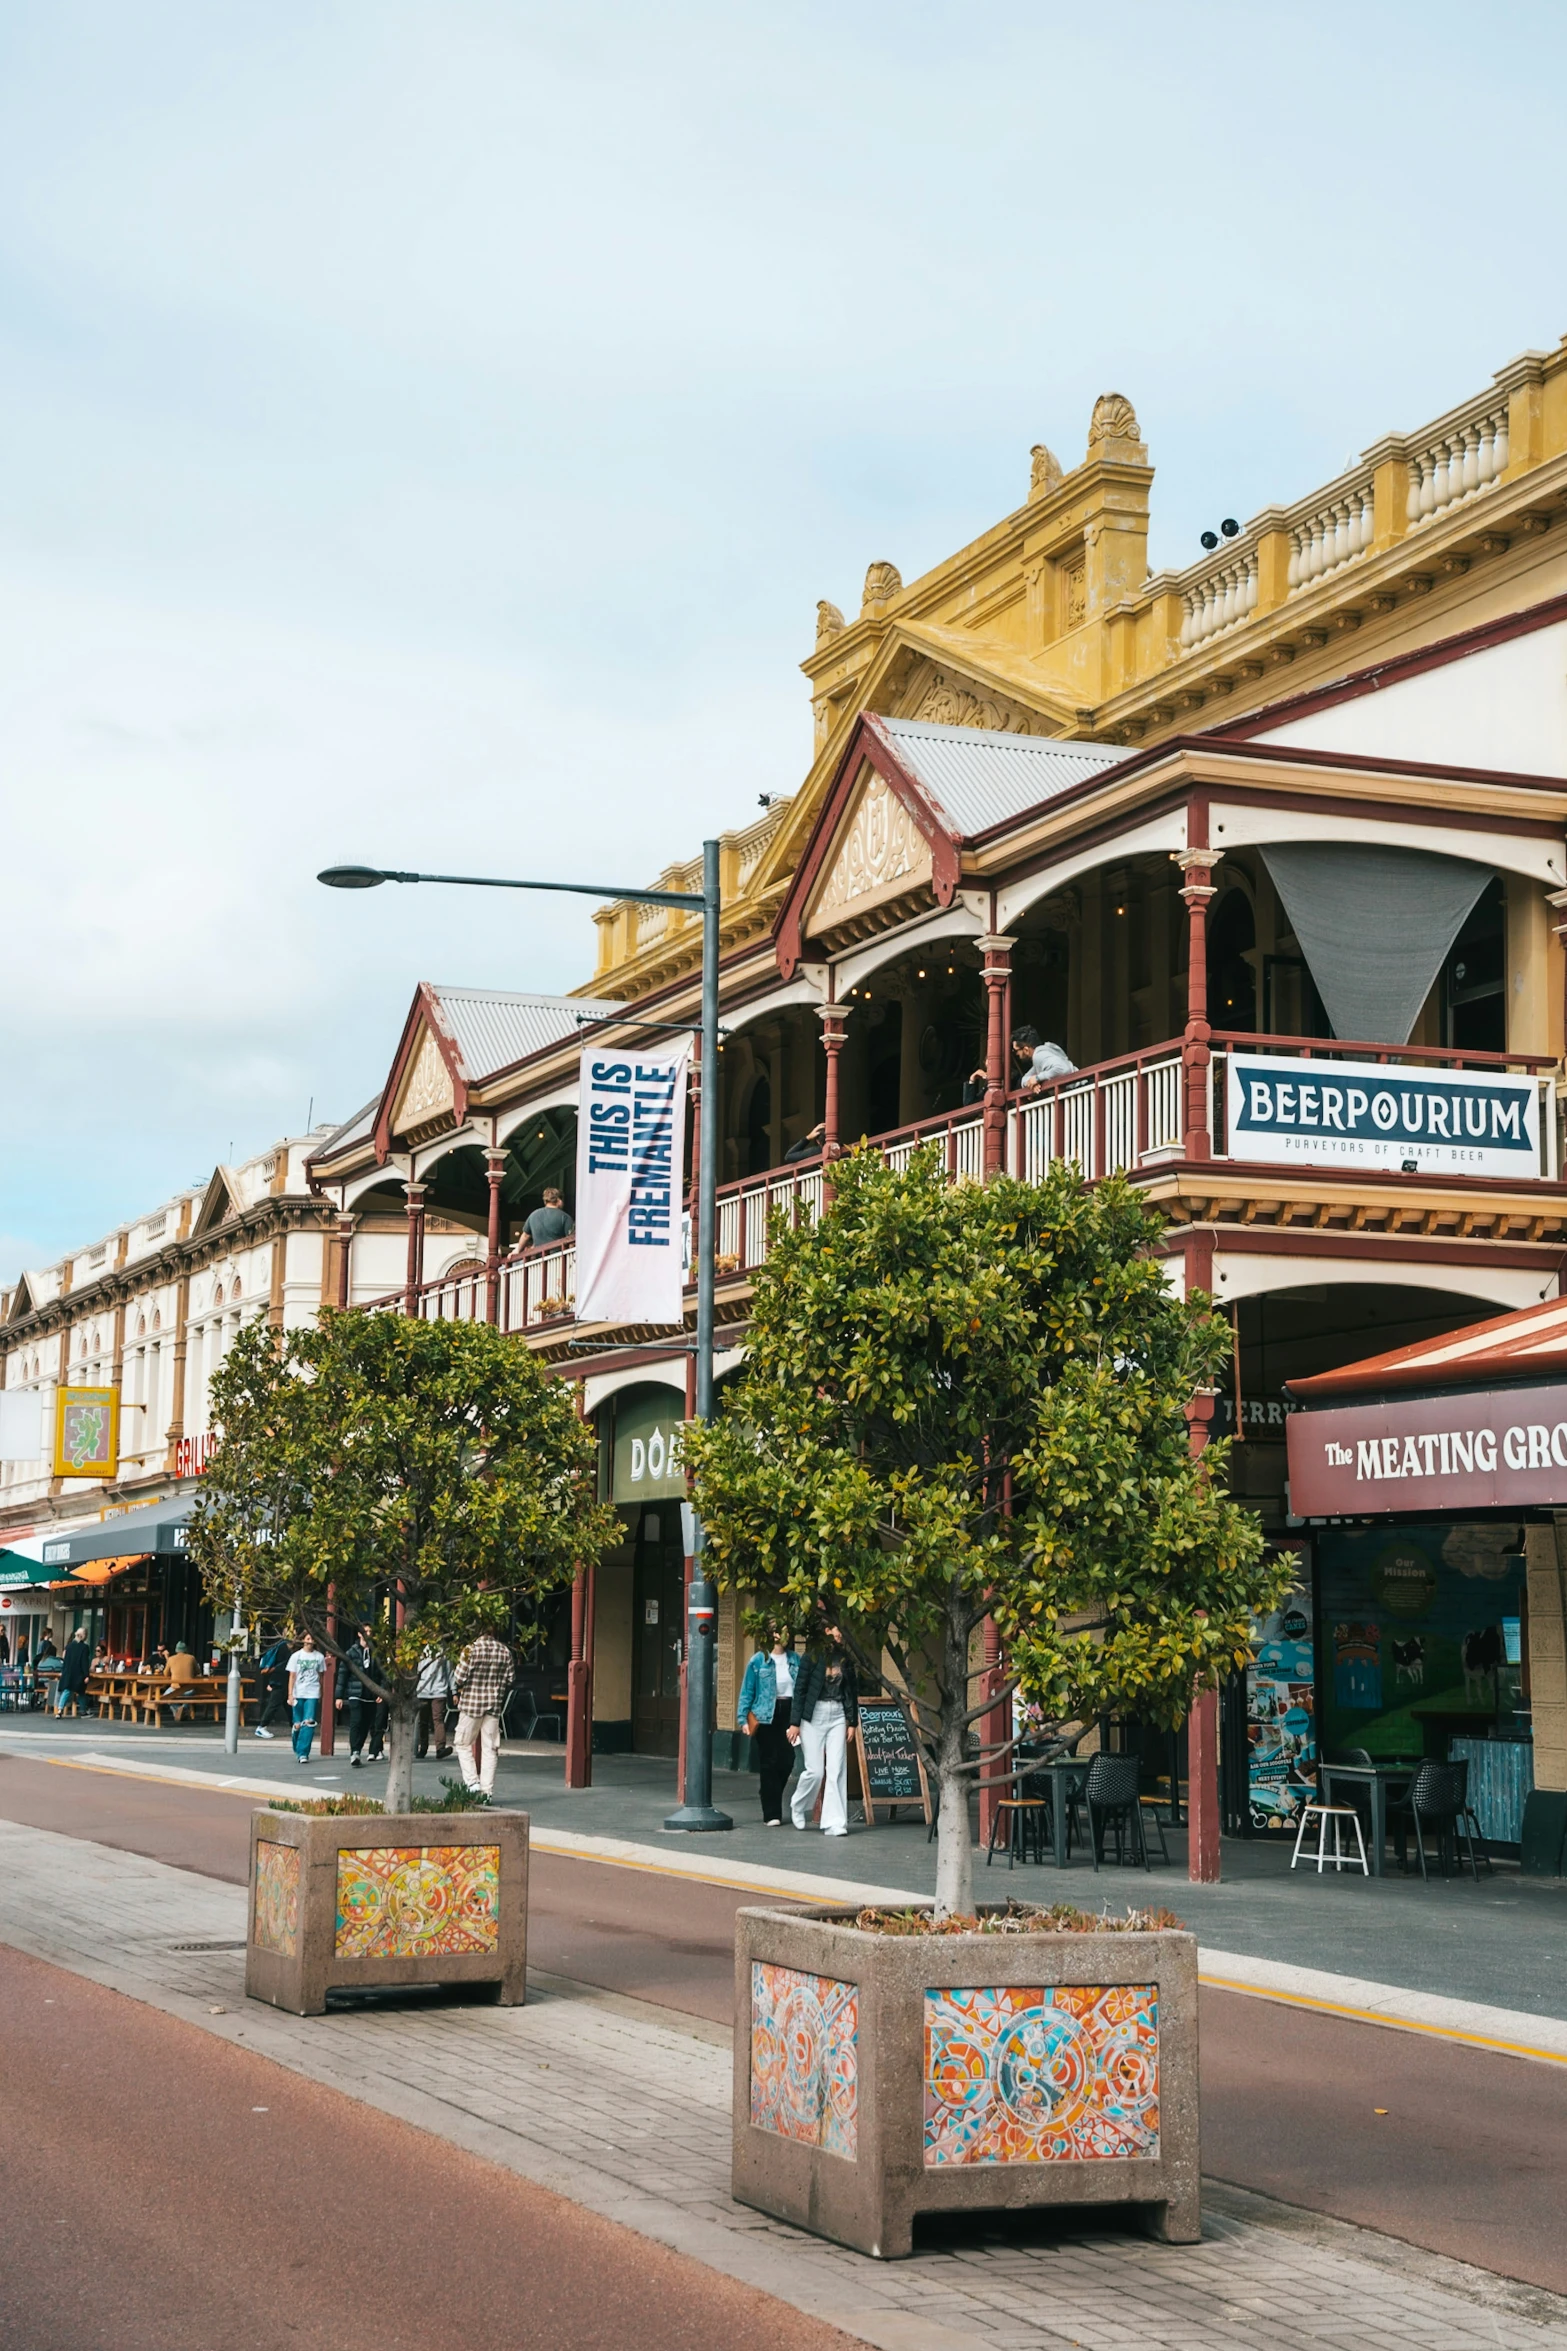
{"x": 1420, "y": 1636}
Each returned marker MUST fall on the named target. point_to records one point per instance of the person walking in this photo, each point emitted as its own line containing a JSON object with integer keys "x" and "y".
{"x": 75, "y": 1666}
{"x": 764, "y": 1713}
{"x": 272, "y": 1685}
{"x": 367, "y": 1709}
{"x": 432, "y": 1689}
{"x": 305, "y": 1669}
{"x": 482, "y": 1684}
{"x": 826, "y": 1708}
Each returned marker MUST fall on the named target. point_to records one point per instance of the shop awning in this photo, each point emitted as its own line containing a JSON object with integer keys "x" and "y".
{"x": 161, "y": 1528}
{"x": 18, "y": 1570}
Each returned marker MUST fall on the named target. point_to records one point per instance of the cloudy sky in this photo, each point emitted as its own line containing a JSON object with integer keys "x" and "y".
{"x": 425, "y": 432}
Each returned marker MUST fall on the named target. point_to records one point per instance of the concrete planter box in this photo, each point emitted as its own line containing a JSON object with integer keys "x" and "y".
{"x": 371, "y": 1898}
{"x": 880, "y": 2076}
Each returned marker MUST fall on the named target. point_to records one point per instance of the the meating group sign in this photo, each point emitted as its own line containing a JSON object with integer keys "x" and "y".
{"x": 1490, "y": 1449}
{"x": 1372, "y": 1114}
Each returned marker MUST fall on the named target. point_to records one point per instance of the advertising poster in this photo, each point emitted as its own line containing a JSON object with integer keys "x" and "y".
{"x": 1281, "y": 1716}
{"x": 631, "y": 1126}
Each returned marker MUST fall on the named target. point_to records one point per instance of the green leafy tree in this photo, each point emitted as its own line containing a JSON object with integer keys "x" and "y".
{"x": 965, "y": 1401}
{"x": 424, "y": 1475}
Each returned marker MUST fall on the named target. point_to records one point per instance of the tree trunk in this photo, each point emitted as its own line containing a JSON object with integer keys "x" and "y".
{"x": 400, "y": 1731}
{"x": 954, "y": 1846}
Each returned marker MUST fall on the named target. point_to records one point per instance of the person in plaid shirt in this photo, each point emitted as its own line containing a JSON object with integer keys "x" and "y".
{"x": 481, "y": 1684}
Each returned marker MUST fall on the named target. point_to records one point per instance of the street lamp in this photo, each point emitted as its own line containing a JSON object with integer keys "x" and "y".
{"x": 698, "y": 1811}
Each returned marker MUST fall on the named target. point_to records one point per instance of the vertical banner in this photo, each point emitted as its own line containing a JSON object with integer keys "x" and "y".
{"x": 631, "y": 1124}
{"x": 86, "y": 1432}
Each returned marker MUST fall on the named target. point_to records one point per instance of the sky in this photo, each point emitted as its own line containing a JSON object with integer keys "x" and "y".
{"x": 425, "y": 433}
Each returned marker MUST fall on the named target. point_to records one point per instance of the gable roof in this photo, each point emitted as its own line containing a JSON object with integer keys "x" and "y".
{"x": 977, "y": 779}
{"x": 476, "y": 1034}
{"x": 957, "y": 783}
{"x": 219, "y": 1202}
{"x": 1528, "y": 1344}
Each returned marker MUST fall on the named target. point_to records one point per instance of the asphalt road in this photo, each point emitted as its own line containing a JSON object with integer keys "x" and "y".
{"x": 170, "y": 2189}
{"x": 1468, "y": 2158}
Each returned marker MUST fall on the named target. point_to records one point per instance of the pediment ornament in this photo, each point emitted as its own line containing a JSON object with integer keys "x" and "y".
{"x": 882, "y": 848}
{"x": 946, "y": 703}
{"x": 427, "y": 1092}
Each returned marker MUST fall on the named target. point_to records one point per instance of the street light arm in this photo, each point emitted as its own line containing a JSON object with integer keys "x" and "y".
{"x": 365, "y": 877}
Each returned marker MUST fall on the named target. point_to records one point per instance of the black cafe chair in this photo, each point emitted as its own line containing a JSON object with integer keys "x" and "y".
{"x": 1438, "y": 1800}
{"x": 1111, "y": 1795}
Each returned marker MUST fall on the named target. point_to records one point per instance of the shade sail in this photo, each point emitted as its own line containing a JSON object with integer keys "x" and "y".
{"x": 162, "y": 1527}
{"x": 1374, "y": 925}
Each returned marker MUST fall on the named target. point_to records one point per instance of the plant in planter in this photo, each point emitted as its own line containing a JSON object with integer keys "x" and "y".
{"x": 419, "y": 1476}
{"x": 553, "y": 1309}
{"x": 970, "y": 1401}
{"x": 892, "y": 2064}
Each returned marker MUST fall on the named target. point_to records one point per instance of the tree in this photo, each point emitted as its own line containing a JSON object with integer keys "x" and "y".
{"x": 965, "y": 1401}
{"x": 421, "y": 1475}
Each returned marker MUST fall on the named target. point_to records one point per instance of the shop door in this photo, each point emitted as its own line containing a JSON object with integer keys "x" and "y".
{"x": 658, "y": 1628}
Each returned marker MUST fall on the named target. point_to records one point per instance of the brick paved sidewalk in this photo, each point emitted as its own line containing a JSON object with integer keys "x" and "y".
{"x": 624, "y": 2108}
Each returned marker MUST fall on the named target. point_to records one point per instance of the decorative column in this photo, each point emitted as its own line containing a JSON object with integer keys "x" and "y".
{"x": 996, "y": 973}
{"x": 345, "y": 1243}
{"x": 834, "y": 1018}
{"x": 1203, "y": 1863}
{"x": 1196, "y": 890}
{"x": 415, "y": 1248}
{"x": 494, "y": 1172}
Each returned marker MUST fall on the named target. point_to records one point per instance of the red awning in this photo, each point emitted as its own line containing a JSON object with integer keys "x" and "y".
{"x": 1528, "y": 1345}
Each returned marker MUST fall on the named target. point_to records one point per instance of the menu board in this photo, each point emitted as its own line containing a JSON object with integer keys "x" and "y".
{"x": 891, "y": 1772}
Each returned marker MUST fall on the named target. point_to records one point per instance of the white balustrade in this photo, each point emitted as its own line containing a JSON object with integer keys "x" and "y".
{"x": 1219, "y": 599}
{"x": 1063, "y": 1122}
{"x": 1332, "y": 535}
{"x": 1456, "y": 464}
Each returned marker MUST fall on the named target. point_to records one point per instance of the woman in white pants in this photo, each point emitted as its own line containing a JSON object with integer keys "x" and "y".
{"x": 825, "y": 1710}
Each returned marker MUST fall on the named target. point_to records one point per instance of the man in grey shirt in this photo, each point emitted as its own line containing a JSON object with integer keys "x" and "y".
{"x": 1037, "y": 1063}
{"x": 549, "y": 1223}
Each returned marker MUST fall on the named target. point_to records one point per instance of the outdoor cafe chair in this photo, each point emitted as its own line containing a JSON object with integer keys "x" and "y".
{"x": 1111, "y": 1795}
{"x": 1439, "y": 1799}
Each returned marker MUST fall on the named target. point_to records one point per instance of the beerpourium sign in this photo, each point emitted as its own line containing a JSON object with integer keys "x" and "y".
{"x": 1371, "y": 1114}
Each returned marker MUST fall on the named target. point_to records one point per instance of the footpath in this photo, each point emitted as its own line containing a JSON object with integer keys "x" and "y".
{"x": 623, "y": 2108}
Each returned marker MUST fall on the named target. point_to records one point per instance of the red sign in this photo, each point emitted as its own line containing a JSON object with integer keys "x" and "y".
{"x": 1500, "y": 1449}
{"x": 192, "y": 1454}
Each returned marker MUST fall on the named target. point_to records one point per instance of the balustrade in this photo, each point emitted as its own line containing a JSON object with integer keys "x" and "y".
{"x": 1457, "y": 463}
{"x": 1219, "y": 600}
{"x": 1331, "y": 536}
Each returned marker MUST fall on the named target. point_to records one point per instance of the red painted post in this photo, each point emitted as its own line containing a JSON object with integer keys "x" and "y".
{"x": 833, "y": 1017}
{"x": 994, "y": 1726}
{"x": 345, "y": 1242}
{"x": 997, "y": 976}
{"x": 415, "y": 1273}
{"x": 1197, "y": 866}
{"x": 1203, "y": 1860}
{"x": 329, "y": 1682}
{"x": 494, "y": 1171}
{"x": 579, "y": 1720}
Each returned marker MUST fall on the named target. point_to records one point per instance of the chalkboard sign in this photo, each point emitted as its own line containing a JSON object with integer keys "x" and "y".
{"x": 891, "y": 1769}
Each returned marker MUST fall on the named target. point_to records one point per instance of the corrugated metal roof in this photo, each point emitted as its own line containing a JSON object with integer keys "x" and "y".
{"x": 491, "y": 1029}
{"x": 1527, "y": 1344}
{"x": 352, "y": 1131}
{"x": 979, "y": 778}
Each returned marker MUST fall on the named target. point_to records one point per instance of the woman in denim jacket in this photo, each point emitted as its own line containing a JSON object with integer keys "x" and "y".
{"x": 764, "y": 1713}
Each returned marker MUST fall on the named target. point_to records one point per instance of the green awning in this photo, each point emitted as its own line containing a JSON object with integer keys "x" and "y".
{"x": 16, "y": 1570}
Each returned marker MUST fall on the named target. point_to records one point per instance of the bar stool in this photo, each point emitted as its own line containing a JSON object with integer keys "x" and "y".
{"x": 1337, "y": 1814}
{"x": 1025, "y": 1818}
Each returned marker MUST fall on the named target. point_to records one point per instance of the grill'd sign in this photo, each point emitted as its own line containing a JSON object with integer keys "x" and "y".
{"x": 1370, "y": 1114}
{"x": 1493, "y": 1450}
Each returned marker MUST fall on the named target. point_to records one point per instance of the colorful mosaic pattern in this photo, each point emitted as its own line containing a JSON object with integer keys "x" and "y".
{"x": 805, "y": 2058}
{"x": 417, "y": 1901}
{"x": 277, "y": 1897}
{"x": 1022, "y": 2075}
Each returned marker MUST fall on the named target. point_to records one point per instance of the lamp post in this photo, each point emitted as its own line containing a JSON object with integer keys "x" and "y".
{"x": 698, "y": 1811}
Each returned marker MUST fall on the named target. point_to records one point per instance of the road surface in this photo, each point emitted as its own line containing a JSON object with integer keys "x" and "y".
{"x": 1468, "y": 2158}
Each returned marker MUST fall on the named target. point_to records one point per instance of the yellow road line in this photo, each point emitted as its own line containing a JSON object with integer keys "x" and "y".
{"x": 1401, "y": 2024}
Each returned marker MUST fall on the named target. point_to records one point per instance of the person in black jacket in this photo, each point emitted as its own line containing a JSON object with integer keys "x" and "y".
{"x": 367, "y": 1709}
{"x": 826, "y": 1708}
{"x": 74, "y": 1668}
{"x": 272, "y": 1685}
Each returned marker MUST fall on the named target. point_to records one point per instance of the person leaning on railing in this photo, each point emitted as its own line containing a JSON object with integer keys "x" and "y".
{"x": 1033, "y": 1062}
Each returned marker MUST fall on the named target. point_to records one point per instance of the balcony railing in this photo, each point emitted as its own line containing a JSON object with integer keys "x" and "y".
{"x": 1123, "y": 1114}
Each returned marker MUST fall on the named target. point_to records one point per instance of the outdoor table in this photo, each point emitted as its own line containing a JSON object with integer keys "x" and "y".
{"x": 1065, "y": 1775}
{"x": 1376, "y": 1779}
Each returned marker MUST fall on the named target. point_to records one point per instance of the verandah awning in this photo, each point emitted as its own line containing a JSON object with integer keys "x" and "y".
{"x": 161, "y": 1528}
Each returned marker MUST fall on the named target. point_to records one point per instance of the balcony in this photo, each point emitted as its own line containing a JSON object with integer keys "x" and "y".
{"x": 1126, "y": 1114}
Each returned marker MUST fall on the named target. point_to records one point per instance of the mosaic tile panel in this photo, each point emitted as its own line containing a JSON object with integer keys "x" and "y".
{"x": 417, "y": 1901}
{"x": 1024, "y": 2075}
{"x": 805, "y": 2058}
{"x": 277, "y": 1897}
